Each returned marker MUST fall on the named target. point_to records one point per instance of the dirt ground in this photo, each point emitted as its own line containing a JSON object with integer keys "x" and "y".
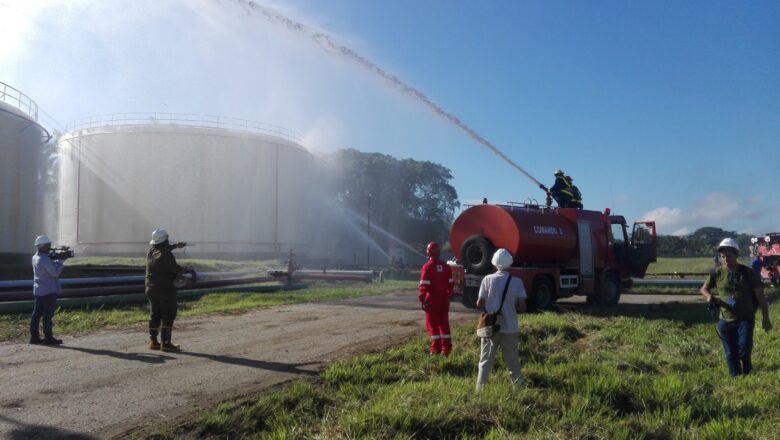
{"x": 108, "y": 384}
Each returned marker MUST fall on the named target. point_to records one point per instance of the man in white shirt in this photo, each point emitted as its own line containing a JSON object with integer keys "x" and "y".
{"x": 490, "y": 293}
{"x": 46, "y": 287}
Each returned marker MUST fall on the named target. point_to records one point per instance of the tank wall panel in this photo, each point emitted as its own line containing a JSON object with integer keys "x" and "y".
{"x": 210, "y": 187}
{"x": 20, "y": 142}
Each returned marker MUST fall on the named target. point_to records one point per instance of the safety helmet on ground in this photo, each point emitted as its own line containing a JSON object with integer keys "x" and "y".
{"x": 159, "y": 235}
{"x": 502, "y": 259}
{"x": 729, "y": 243}
{"x": 432, "y": 250}
{"x": 42, "y": 240}
{"x": 558, "y": 172}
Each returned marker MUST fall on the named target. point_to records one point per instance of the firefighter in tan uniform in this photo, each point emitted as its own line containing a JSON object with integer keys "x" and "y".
{"x": 435, "y": 293}
{"x": 161, "y": 271}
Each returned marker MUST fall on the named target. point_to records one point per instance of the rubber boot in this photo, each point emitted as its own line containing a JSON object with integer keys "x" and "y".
{"x": 167, "y": 345}
{"x": 154, "y": 344}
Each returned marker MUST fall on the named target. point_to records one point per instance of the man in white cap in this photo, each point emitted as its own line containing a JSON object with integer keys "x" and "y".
{"x": 504, "y": 294}
{"x": 741, "y": 294}
{"x": 161, "y": 271}
{"x": 46, "y": 286}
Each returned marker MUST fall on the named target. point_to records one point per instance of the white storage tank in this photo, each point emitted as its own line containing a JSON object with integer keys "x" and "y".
{"x": 21, "y": 138}
{"x": 232, "y": 187}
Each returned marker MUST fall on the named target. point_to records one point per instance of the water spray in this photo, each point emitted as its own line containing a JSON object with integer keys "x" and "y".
{"x": 327, "y": 43}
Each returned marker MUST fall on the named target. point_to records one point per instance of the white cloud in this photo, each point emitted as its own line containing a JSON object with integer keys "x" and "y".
{"x": 717, "y": 209}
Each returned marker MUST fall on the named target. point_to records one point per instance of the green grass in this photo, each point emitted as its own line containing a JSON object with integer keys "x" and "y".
{"x": 686, "y": 265}
{"x": 629, "y": 372}
{"x": 15, "y": 326}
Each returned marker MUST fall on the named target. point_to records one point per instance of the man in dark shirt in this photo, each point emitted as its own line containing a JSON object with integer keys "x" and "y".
{"x": 161, "y": 271}
{"x": 741, "y": 293}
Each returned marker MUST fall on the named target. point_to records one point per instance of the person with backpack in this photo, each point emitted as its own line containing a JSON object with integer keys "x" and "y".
{"x": 503, "y": 294}
{"x": 740, "y": 294}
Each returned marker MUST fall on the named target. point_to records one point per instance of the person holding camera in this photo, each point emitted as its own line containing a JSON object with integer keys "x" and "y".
{"x": 46, "y": 287}
{"x": 494, "y": 288}
{"x": 740, "y": 294}
{"x": 161, "y": 271}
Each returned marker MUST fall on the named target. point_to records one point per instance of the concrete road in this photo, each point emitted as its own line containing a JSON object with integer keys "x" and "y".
{"x": 103, "y": 384}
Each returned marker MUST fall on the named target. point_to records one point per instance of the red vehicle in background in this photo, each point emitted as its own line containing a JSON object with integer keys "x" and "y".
{"x": 767, "y": 250}
{"x": 558, "y": 252}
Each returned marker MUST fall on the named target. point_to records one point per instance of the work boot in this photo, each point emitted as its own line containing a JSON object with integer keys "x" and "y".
{"x": 154, "y": 344}
{"x": 51, "y": 340}
{"x": 167, "y": 345}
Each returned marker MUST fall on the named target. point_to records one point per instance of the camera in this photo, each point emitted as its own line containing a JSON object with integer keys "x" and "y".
{"x": 61, "y": 253}
{"x": 716, "y": 303}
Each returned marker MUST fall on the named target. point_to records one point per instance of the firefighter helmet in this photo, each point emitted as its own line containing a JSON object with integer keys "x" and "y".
{"x": 432, "y": 250}
{"x": 41, "y": 240}
{"x": 729, "y": 243}
{"x": 159, "y": 235}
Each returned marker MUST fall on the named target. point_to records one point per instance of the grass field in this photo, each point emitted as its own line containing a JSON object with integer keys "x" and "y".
{"x": 15, "y": 326}
{"x": 686, "y": 265}
{"x": 629, "y": 372}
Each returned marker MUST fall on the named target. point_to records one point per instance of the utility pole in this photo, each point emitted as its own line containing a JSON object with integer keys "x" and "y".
{"x": 368, "y": 234}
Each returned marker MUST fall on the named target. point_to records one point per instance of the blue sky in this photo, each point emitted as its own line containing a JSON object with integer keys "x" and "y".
{"x": 659, "y": 110}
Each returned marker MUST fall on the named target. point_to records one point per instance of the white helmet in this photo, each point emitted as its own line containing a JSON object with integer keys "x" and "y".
{"x": 558, "y": 171}
{"x": 729, "y": 243}
{"x": 159, "y": 235}
{"x": 502, "y": 259}
{"x": 41, "y": 240}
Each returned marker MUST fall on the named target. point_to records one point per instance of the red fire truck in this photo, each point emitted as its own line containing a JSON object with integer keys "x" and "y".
{"x": 558, "y": 252}
{"x": 767, "y": 250}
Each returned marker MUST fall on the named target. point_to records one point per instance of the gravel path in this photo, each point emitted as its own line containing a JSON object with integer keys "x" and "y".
{"x": 102, "y": 384}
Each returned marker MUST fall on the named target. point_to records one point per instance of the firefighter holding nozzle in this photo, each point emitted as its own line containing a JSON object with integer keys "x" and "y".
{"x": 740, "y": 295}
{"x": 435, "y": 293}
{"x": 161, "y": 271}
{"x": 564, "y": 192}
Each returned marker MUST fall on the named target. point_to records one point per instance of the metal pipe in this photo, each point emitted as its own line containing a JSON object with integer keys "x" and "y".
{"x": 81, "y": 292}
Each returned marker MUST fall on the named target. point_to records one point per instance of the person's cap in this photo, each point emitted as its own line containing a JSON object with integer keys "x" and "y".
{"x": 502, "y": 259}
{"x": 159, "y": 235}
{"x": 42, "y": 240}
{"x": 729, "y": 243}
{"x": 558, "y": 172}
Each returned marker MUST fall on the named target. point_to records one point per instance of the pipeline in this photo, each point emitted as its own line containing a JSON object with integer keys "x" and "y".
{"x": 107, "y": 286}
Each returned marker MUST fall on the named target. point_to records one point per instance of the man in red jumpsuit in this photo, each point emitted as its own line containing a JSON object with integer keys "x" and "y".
{"x": 435, "y": 293}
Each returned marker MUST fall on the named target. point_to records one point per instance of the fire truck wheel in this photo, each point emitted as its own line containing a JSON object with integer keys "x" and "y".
{"x": 469, "y": 298}
{"x": 611, "y": 291}
{"x": 542, "y": 295}
{"x": 476, "y": 253}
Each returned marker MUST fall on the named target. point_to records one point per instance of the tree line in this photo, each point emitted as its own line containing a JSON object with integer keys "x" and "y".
{"x": 702, "y": 242}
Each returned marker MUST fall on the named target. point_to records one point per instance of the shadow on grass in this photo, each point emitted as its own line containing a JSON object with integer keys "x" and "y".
{"x": 24, "y": 431}
{"x": 148, "y": 358}
{"x": 280, "y": 367}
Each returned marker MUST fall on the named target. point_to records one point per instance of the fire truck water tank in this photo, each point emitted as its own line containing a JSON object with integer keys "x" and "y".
{"x": 531, "y": 234}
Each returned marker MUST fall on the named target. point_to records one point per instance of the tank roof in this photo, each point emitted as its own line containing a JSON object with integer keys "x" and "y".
{"x": 16, "y": 99}
{"x": 183, "y": 119}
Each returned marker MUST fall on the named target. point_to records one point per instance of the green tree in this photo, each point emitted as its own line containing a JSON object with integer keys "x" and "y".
{"x": 412, "y": 200}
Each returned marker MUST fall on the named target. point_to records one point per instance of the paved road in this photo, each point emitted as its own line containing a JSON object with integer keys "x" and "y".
{"x": 102, "y": 384}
